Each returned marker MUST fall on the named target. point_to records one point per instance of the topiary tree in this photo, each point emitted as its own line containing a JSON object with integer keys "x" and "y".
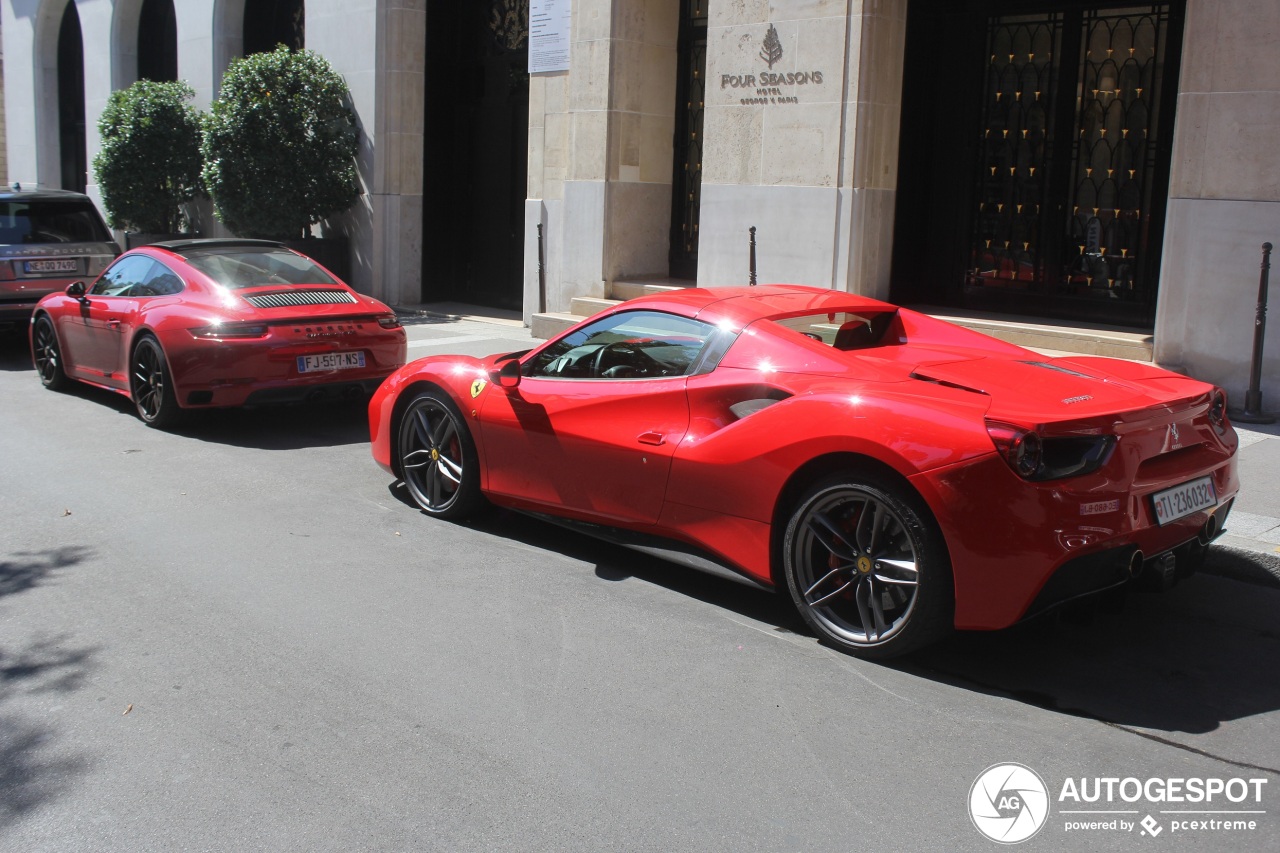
{"x": 149, "y": 164}
{"x": 280, "y": 144}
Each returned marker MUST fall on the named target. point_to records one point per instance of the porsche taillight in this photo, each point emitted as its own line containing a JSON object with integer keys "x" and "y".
{"x": 1036, "y": 457}
{"x": 223, "y": 331}
{"x": 392, "y": 322}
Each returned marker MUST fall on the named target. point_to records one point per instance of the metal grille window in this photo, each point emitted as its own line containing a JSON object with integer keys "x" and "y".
{"x": 687, "y": 180}
{"x": 1070, "y": 172}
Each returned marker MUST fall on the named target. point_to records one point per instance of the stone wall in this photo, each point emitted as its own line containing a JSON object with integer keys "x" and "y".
{"x": 1224, "y": 197}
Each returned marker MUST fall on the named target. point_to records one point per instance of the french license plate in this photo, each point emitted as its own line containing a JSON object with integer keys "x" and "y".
{"x": 330, "y": 361}
{"x": 1181, "y": 501}
{"x": 71, "y": 265}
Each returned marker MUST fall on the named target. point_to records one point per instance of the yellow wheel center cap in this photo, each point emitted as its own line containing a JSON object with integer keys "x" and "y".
{"x": 435, "y": 454}
{"x": 864, "y": 564}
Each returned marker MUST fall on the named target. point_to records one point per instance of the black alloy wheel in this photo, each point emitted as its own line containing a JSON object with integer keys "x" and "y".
{"x": 151, "y": 386}
{"x": 437, "y": 457}
{"x": 47, "y": 355}
{"x": 867, "y": 567}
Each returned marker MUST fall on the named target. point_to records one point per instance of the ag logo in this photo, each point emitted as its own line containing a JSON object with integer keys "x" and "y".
{"x": 1008, "y": 803}
{"x": 477, "y": 386}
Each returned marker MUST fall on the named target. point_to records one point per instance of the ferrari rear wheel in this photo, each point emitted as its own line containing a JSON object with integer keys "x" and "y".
{"x": 867, "y": 568}
{"x": 151, "y": 386}
{"x": 47, "y": 355}
{"x": 438, "y": 458}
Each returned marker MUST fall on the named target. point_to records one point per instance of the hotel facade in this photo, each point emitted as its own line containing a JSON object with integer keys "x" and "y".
{"x": 1086, "y": 176}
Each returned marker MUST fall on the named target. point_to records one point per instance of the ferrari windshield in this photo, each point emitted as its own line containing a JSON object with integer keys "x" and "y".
{"x": 71, "y": 221}
{"x": 256, "y": 266}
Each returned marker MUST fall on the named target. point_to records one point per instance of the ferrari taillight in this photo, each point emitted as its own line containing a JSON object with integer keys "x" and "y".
{"x": 1019, "y": 447}
{"x": 1035, "y": 457}
{"x": 1218, "y": 410}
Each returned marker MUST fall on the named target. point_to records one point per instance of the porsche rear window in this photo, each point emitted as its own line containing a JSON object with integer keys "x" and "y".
{"x": 256, "y": 267}
{"x": 26, "y": 222}
{"x": 842, "y": 330}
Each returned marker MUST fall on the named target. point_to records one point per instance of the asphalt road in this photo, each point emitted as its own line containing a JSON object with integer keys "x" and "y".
{"x": 241, "y": 636}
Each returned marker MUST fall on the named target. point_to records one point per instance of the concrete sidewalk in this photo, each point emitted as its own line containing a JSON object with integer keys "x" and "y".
{"x": 1249, "y": 549}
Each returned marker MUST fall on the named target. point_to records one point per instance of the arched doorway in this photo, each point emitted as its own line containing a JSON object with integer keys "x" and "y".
{"x": 268, "y": 23}
{"x": 157, "y": 42}
{"x": 71, "y": 127}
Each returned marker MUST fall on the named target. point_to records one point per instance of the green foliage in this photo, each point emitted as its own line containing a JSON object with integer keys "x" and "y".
{"x": 280, "y": 144}
{"x": 150, "y": 161}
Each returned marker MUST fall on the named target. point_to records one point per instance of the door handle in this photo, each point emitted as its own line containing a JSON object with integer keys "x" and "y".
{"x": 113, "y": 324}
{"x": 654, "y": 438}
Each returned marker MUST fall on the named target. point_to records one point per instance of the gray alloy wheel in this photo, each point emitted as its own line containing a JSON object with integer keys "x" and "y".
{"x": 437, "y": 457}
{"x": 866, "y": 567}
{"x": 151, "y": 386}
{"x": 47, "y": 355}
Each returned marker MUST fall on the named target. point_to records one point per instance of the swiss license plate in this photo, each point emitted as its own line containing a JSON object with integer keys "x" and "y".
{"x": 1181, "y": 501}
{"x": 330, "y": 361}
{"x": 71, "y": 265}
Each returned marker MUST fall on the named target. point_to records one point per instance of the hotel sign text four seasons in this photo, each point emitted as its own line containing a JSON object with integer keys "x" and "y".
{"x": 769, "y": 87}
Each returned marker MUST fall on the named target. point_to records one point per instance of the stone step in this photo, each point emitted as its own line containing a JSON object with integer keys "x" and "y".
{"x": 1107, "y": 341}
{"x": 1091, "y": 340}
{"x": 548, "y": 324}
{"x": 624, "y": 290}
{"x": 587, "y": 306}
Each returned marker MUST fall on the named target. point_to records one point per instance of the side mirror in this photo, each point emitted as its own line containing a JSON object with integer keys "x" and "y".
{"x": 508, "y": 375}
{"x": 76, "y": 290}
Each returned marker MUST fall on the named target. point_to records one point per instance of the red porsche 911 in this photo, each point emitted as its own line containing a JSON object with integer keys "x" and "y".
{"x": 897, "y": 475}
{"x": 207, "y": 323}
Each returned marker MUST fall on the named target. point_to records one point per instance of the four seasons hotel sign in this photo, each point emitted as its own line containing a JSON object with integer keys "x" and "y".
{"x": 766, "y": 86}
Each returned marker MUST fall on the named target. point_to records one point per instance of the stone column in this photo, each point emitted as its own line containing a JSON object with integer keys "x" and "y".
{"x": 1224, "y": 197}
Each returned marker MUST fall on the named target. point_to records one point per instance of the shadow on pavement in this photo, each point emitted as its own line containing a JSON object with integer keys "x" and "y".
{"x": 15, "y": 354}
{"x": 280, "y": 427}
{"x": 26, "y": 570}
{"x": 1183, "y": 661}
{"x": 34, "y": 766}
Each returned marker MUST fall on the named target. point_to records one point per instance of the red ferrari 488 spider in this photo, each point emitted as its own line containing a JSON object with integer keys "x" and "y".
{"x": 898, "y": 475}
{"x": 206, "y": 323}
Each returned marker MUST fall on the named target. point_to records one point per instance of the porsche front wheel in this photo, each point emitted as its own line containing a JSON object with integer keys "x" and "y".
{"x": 47, "y": 355}
{"x": 867, "y": 568}
{"x": 151, "y": 385}
{"x": 437, "y": 457}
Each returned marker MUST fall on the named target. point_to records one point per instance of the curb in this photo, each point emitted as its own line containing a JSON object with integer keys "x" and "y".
{"x": 1243, "y": 564}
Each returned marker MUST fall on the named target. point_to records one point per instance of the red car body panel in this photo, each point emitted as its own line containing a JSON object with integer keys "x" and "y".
{"x": 666, "y": 456}
{"x": 97, "y": 332}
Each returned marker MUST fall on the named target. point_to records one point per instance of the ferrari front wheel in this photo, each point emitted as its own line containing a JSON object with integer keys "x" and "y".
{"x": 47, "y": 355}
{"x": 866, "y": 566}
{"x": 151, "y": 385}
{"x": 437, "y": 457}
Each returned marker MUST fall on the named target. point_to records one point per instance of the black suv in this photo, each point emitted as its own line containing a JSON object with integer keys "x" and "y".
{"x": 48, "y": 239}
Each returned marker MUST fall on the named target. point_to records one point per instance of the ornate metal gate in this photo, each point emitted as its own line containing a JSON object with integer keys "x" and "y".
{"x": 1071, "y": 174}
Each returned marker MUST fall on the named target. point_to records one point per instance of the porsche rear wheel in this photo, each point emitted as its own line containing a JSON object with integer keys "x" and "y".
{"x": 437, "y": 457}
{"x": 867, "y": 568}
{"x": 151, "y": 386}
{"x": 47, "y": 355}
